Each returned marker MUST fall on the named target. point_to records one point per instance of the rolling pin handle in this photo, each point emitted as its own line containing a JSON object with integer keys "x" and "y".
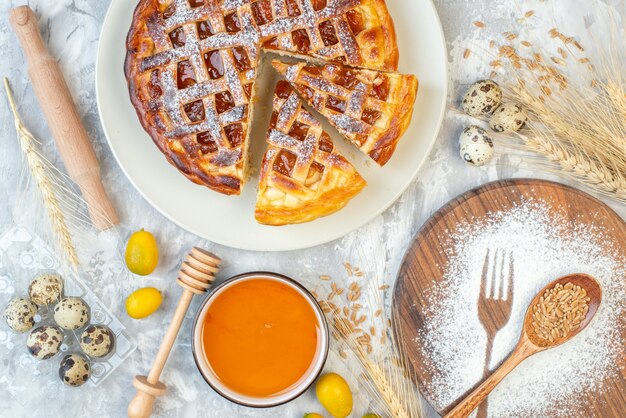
{"x": 26, "y": 28}
{"x": 56, "y": 102}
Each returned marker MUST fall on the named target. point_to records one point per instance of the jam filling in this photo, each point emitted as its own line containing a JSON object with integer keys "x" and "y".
{"x": 283, "y": 89}
{"x": 313, "y": 70}
{"x": 196, "y": 3}
{"x": 247, "y": 88}
{"x": 292, "y": 8}
{"x": 242, "y": 62}
{"x": 370, "y": 116}
{"x": 205, "y": 29}
{"x": 335, "y": 104}
{"x": 316, "y": 168}
{"x": 301, "y": 40}
{"x": 298, "y": 131}
{"x": 346, "y": 78}
{"x": 185, "y": 75}
{"x": 169, "y": 12}
{"x": 318, "y": 4}
{"x": 285, "y": 162}
{"x": 271, "y": 43}
{"x": 381, "y": 90}
{"x": 262, "y": 12}
{"x": 232, "y": 23}
{"x": 326, "y": 144}
{"x": 195, "y": 111}
{"x": 327, "y": 31}
{"x": 273, "y": 120}
{"x": 178, "y": 37}
{"x": 224, "y": 101}
{"x": 355, "y": 20}
{"x": 207, "y": 145}
{"x": 214, "y": 64}
{"x": 154, "y": 85}
{"x": 234, "y": 133}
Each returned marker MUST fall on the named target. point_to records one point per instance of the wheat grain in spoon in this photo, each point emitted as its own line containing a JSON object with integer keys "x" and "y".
{"x": 534, "y": 338}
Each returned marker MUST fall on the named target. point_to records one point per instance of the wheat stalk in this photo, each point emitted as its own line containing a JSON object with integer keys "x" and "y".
{"x": 576, "y": 108}
{"x": 380, "y": 352}
{"x": 581, "y": 131}
{"x": 386, "y": 379}
{"x": 578, "y": 166}
{"x": 47, "y": 182}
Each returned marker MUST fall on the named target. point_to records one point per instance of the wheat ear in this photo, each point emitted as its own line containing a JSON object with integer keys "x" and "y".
{"x": 387, "y": 383}
{"x": 385, "y": 371}
{"x": 576, "y": 110}
{"x": 43, "y": 174}
{"x": 578, "y": 166}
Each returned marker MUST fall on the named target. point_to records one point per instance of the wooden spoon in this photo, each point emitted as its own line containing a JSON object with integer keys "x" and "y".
{"x": 196, "y": 275}
{"x": 529, "y": 343}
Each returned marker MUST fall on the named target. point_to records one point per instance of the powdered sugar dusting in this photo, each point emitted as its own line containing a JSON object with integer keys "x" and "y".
{"x": 192, "y": 47}
{"x": 308, "y": 20}
{"x": 544, "y": 247}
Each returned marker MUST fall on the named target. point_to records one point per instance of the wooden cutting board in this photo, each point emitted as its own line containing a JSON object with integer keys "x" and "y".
{"x": 425, "y": 261}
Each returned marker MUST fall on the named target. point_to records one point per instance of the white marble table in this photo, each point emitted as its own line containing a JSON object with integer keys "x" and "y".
{"x": 71, "y": 29}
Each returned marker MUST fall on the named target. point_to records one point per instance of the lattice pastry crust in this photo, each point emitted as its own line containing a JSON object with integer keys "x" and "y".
{"x": 371, "y": 108}
{"x": 191, "y": 80}
{"x": 303, "y": 177}
{"x": 359, "y": 33}
{"x": 191, "y": 65}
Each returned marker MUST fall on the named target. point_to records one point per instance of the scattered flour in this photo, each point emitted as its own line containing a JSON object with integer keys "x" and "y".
{"x": 544, "y": 247}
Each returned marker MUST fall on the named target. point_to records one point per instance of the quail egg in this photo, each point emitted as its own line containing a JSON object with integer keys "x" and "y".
{"x": 44, "y": 342}
{"x": 71, "y": 313}
{"x": 46, "y": 289}
{"x": 475, "y": 145}
{"x": 509, "y": 117}
{"x": 481, "y": 98}
{"x": 74, "y": 370}
{"x": 96, "y": 341}
{"x": 20, "y": 314}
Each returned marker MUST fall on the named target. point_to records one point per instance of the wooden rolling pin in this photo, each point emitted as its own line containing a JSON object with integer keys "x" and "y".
{"x": 58, "y": 107}
{"x": 196, "y": 275}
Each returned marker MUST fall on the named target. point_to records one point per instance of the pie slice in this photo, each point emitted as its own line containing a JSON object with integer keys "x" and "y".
{"x": 359, "y": 33}
{"x": 303, "y": 177}
{"x": 372, "y": 109}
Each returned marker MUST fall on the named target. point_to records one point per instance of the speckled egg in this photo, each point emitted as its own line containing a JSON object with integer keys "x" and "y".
{"x": 509, "y": 117}
{"x": 96, "y": 340}
{"x": 71, "y": 313}
{"x": 481, "y": 98}
{"x": 44, "y": 342}
{"x": 46, "y": 289}
{"x": 20, "y": 314}
{"x": 475, "y": 145}
{"x": 74, "y": 370}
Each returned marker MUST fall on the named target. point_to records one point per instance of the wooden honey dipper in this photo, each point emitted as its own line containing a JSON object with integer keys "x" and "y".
{"x": 196, "y": 275}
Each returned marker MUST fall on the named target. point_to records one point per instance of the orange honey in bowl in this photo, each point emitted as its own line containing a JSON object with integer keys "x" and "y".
{"x": 260, "y": 337}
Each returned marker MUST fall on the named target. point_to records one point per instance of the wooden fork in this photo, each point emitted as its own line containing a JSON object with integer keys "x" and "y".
{"x": 494, "y": 304}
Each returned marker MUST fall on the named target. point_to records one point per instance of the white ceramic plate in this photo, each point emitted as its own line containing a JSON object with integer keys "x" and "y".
{"x": 230, "y": 220}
